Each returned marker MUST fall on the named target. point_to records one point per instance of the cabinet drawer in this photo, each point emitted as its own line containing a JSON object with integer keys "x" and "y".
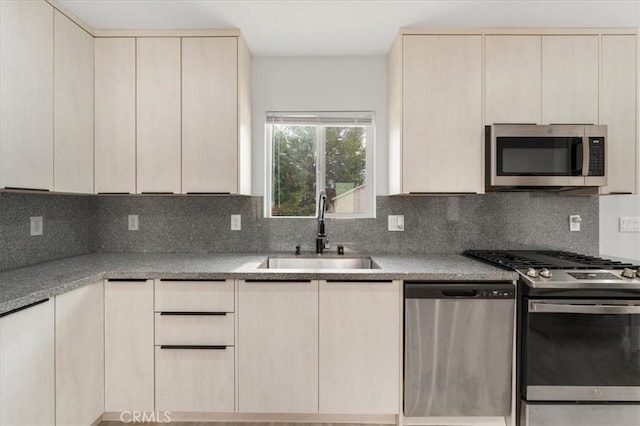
{"x": 194, "y": 296}
{"x": 194, "y": 329}
{"x": 195, "y": 379}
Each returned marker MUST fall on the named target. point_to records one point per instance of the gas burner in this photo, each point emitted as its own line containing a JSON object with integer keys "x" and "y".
{"x": 547, "y": 259}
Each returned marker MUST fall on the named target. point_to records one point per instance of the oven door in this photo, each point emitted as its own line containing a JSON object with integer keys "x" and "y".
{"x": 581, "y": 350}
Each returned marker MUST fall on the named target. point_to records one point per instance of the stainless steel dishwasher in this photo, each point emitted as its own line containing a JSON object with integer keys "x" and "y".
{"x": 458, "y": 348}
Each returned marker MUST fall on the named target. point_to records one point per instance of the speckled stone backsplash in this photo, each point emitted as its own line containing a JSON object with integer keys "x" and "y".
{"x": 87, "y": 223}
{"x": 68, "y": 225}
{"x": 433, "y": 224}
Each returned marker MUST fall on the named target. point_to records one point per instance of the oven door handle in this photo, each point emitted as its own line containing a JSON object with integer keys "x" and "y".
{"x": 557, "y": 308}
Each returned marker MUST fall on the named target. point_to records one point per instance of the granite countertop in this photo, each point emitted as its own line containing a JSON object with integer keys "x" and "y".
{"x": 23, "y": 286}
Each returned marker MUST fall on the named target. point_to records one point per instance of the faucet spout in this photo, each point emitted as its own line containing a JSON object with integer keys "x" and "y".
{"x": 321, "y": 240}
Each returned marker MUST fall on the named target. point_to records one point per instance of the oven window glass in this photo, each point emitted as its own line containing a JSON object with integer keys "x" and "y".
{"x": 574, "y": 349}
{"x": 536, "y": 156}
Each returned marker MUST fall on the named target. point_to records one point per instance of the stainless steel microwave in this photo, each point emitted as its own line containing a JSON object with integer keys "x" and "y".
{"x": 557, "y": 155}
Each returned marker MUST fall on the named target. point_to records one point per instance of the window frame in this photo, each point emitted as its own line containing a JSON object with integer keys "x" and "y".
{"x": 320, "y": 151}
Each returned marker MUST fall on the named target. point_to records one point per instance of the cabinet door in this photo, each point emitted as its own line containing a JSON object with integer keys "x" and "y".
{"x": 570, "y": 79}
{"x": 512, "y": 79}
{"x": 80, "y": 355}
{"x": 158, "y": 114}
{"x": 128, "y": 345}
{"x": 278, "y": 347}
{"x": 115, "y": 115}
{"x": 27, "y": 367}
{"x": 195, "y": 379}
{"x": 210, "y": 114}
{"x": 26, "y": 104}
{"x": 359, "y": 347}
{"x": 73, "y": 105}
{"x": 618, "y": 111}
{"x": 442, "y": 113}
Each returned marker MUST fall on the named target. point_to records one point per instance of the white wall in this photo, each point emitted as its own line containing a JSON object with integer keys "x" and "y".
{"x": 325, "y": 83}
{"x": 612, "y": 241}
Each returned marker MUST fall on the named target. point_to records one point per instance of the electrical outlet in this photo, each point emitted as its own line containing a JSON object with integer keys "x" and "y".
{"x": 629, "y": 224}
{"x": 133, "y": 222}
{"x": 574, "y": 222}
{"x": 37, "y": 225}
{"x": 236, "y": 222}
{"x": 396, "y": 222}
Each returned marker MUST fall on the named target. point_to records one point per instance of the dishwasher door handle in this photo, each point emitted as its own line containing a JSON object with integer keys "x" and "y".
{"x": 460, "y": 293}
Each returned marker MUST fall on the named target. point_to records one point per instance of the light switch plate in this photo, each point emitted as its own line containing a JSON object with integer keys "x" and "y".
{"x": 37, "y": 225}
{"x": 629, "y": 224}
{"x": 396, "y": 222}
{"x": 133, "y": 222}
{"x": 236, "y": 222}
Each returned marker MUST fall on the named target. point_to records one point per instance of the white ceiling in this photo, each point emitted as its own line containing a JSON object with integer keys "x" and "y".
{"x": 346, "y": 27}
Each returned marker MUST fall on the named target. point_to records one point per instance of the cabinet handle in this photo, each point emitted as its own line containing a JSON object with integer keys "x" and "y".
{"x": 359, "y": 281}
{"x": 15, "y": 188}
{"x": 22, "y": 308}
{"x": 219, "y": 280}
{"x": 185, "y": 313}
{"x": 277, "y": 281}
{"x": 131, "y": 280}
{"x": 214, "y": 347}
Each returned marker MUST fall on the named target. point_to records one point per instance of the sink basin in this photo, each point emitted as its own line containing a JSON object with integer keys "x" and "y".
{"x": 302, "y": 262}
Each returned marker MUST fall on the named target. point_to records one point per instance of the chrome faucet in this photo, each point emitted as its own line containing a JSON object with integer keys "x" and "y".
{"x": 321, "y": 240}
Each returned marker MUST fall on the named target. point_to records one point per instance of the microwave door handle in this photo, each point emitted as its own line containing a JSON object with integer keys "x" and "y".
{"x": 585, "y": 155}
{"x": 556, "y": 308}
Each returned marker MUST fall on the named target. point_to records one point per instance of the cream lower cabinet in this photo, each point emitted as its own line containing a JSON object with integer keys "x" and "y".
{"x": 195, "y": 349}
{"x": 278, "y": 347}
{"x": 359, "y": 347}
{"x": 80, "y": 355}
{"x": 128, "y": 345}
{"x": 27, "y": 367}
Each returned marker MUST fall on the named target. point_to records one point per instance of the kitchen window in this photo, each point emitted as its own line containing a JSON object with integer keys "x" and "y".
{"x": 310, "y": 152}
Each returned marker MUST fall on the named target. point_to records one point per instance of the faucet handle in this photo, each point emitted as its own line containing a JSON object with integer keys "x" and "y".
{"x": 298, "y": 250}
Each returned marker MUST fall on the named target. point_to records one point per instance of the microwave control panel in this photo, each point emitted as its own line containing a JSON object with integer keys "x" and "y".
{"x": 596, "y": 156}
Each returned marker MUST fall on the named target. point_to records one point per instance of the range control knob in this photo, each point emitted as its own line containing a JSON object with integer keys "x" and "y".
{"x": 629, "y": 273}
{"x": 532, "y": 273}
{"x": 545, "y": 273}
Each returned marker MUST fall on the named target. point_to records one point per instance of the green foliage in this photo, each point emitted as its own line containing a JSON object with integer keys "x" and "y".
{"x": 294, "y": 166}
{"x": 294, "y": 171}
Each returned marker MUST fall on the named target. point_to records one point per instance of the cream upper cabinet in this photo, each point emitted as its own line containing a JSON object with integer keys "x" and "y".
{"x": 79, "y": 352}
{"x": 215, "y": 77}
{"x": 619, "y": 112}
{"x": 158, "y": 114}
{"x": 26, "y": 101}
{"x": 570, "y": 79}
{"x": 359, "y": 357}
{"x": 128, "y": 345}
{"x": 278, "y": 347}
{"x": 436, "y": 140}
{"x": 27, "y": 374}
{"x": 73, "y": 106}
{"x": 512, "y": 79}
{"x": 115, "y": 115}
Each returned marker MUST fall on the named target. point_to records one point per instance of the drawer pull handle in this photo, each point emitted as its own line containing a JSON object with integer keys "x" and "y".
{"x": 22, "y": 308}
{"x": 185, "y": 313}
{"x": 128, "y": 280}
{"x": 215, "y": 347}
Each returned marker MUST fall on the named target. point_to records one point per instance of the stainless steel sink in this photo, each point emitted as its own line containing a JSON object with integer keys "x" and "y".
{"x": 302, "y": 262}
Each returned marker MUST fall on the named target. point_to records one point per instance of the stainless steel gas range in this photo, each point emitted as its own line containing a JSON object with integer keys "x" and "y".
{"x": 578, "y": 337}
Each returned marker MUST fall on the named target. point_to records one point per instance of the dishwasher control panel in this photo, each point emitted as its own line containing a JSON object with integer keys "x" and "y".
{"x": 499, "y": 294}
{"x": 458, "y": 290}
